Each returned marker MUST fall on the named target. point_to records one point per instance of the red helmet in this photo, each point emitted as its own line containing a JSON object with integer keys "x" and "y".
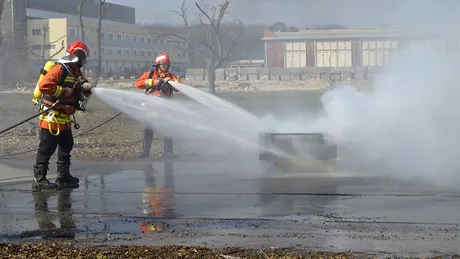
{"x": 163, "y": 58}
{"x": 78, "y": 45}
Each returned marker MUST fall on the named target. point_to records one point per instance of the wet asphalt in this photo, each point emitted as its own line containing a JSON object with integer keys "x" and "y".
{"x": 231, "y": 203}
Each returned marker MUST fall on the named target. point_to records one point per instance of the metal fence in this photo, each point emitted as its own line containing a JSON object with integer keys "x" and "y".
{"x": 250, "y": 74}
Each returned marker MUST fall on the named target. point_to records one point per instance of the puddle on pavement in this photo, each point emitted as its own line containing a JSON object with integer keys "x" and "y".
{"x": 107, "y": 203}
{"x": 169, "y": 200}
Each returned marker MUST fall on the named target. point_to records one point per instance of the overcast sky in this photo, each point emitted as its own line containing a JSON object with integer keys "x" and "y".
{"x": 311, "y": 12}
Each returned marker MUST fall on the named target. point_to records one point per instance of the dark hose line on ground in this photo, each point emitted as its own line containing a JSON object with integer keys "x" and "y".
{"x": 28, "y": 119}
{"x": 76, "y": 136}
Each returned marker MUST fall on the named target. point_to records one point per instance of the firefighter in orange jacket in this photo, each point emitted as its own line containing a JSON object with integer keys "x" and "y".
{"x": 155, "y": 83}
{"x": 55, "y": 126}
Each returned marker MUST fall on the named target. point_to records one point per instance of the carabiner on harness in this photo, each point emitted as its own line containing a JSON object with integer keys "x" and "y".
{"x": 51, "y": 117}
{"x": 75, "y": 124}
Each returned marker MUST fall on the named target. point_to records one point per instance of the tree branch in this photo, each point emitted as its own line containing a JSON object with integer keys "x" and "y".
{"x": 108, "y": 6}
{"x": 183, "y": 14}
{"x": 59, "y": 51}
{"x": 211, "y": 21}
{"x": 238, "y": 52}
{"x": 234, "y": 43}
{"x": 179, "y": 47}
{"x": 214, "y": 52}
{"x": 36, "y": 55}
{"x": 56, "y": 40}
{"x": 166, "y": 34}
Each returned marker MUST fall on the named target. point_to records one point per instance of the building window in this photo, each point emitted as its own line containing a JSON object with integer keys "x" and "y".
{"x": 142, "y": 39}
{"x": 333, "y": 54}
{"x": 134, "y": 53}
{"x": 378, "y": 53}
{"x": 142, "y": 53}
{"x": 134, "y": 38}
{"x": 126, "y": 37}
{"x": 110, "y": 36}
{"x": 119, "y": 37}
{"x": 295, "y": 54}
{"x": 102, "y": 35}
{"x": 36, "y": 32}
{"x": 103, "y": 50}
{"x": 119, "y": 51}
{"x": 149, "y": 40}
{"x": 149, "y": 53}
{"x": 50, "y": 47}
{"x": 126, "y": 52}
{"x": 36, "y": 47}
{"x": 110, "y": 51}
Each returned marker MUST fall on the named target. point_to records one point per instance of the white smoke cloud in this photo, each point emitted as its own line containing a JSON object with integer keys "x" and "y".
{"x": 408, "y": 125}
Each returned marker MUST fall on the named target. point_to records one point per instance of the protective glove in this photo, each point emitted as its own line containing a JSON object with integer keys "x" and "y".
{"x": 156, "y": 82}
{"x": 164, "y": 87}
{"x": 87, "y": 86}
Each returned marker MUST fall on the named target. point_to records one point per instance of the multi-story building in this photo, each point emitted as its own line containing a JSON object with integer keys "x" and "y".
{"x": 126, "y": 47}
{"x": 368, "y": 47}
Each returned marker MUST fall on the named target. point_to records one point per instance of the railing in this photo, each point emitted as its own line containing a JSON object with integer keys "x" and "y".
{"x": 249, "y": 74}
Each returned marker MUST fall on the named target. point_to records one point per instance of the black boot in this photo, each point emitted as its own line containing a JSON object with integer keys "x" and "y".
{"x": 40, "y": 181}
{"x": 147, "y": 144}
{"x": 65, "y": 179}
{"x": 145, "y": 151}
{"x": 168, "y": 147}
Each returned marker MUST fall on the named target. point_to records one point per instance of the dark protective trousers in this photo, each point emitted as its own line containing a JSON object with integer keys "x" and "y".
{"x": 148, "y": 140}
{"x": 48, "y": 144}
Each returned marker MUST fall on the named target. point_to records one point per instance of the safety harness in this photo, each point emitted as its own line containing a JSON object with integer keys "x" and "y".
{"x": 55, "y": 115}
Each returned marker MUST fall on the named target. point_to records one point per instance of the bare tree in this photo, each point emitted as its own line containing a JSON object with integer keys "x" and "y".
{"x": 214, "y": 47}
{"x": 47, "y": 46}
{"x": 103, "y": 7}
{"x": 79, "y": 11}
{"x": 2, "y": 48}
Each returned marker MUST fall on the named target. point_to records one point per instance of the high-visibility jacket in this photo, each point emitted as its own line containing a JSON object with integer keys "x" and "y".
{"x": 148, "y": 78}
{"x": 55, "y": 85}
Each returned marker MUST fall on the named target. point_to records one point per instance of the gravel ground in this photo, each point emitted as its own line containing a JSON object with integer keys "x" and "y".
{"x": 55, "y": 250}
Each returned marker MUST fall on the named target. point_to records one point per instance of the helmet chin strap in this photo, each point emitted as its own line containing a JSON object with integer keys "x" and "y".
{"x": 71, "y": 59}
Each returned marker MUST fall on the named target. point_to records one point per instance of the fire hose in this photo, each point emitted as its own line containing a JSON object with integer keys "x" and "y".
{"x": 76, "y": 136}
{"x": 28, "y": 119}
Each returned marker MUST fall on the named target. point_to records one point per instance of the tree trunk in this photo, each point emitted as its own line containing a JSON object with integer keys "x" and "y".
{"x": 2, "y": 50}
{"x": 98, "y": 43}
{"x": 44, "y": 44}
{"x": 99, "y": 55}
{"x": 212, "y": 79}
{"x": 82, "y": 30}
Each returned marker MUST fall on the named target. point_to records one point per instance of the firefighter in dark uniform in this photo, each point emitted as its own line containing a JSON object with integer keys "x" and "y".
{"x": 64, "y": 82}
